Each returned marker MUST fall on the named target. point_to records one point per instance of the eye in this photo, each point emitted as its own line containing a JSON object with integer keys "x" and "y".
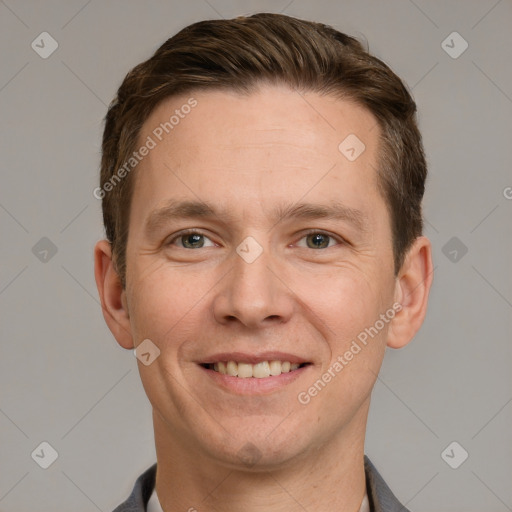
{"x": 319, "y": 240}
{"x": 190, "y": 239}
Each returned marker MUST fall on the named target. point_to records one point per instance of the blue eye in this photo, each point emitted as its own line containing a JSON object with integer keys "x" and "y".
{"x": 194, "y": 239}
{"x": 191, "y": 239}
{"x": 318, "y": 240}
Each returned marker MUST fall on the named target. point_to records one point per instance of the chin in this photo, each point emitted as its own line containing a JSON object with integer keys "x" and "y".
{"x": 257, "y": 449}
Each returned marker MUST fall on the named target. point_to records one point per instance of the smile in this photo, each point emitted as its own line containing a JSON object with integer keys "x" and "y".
{"x": 260, "y": 370}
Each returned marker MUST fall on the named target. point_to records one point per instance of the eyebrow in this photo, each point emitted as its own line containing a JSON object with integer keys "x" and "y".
{"x": 175, "y": 209}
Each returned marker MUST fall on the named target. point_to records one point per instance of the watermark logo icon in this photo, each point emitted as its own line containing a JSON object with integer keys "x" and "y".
{"x": 44, "y": 250}
{"x": 44, "y": 45}
{"x": 249, "y": 249}
{"x": 351, "y": 147}
{"x": 146, "y": 352}
{"x": 44, "y": 455}
{"x": 454, "y": 45}
{"x": 454, "y": 455}
{"x": 454, "y": 249}
{"x": 249, "y": 454}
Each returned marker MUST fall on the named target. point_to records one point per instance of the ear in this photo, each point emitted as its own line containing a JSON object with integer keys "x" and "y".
{"x": 112, "y": 295}
{"x": 411, "y": 292}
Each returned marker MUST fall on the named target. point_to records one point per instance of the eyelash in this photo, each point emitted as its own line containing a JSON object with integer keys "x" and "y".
{"x": 309, "y": 232}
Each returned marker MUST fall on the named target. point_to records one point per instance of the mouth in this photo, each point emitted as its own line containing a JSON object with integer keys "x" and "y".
{"x": 250, "y": 374}
{"x": 258, "y": 370}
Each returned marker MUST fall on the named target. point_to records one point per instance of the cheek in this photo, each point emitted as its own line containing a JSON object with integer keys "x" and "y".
{"x": 164, "y": 300}
{"x": 347, "y": 306}
{"x": 345, "y": 299}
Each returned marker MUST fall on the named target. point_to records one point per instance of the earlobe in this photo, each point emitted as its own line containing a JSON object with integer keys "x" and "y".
{"x": 112, "y": 296}
{"x": 411, "y": 292}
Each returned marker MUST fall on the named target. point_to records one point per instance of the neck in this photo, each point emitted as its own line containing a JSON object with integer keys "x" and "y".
{"x": 329, "y": 478}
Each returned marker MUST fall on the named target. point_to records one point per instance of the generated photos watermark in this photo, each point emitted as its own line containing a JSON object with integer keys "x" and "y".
{"x": 150, "y": 143}
{"x": 304, "y": 397}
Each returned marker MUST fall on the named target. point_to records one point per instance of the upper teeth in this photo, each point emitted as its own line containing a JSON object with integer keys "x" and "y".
{"x": 259, "y": 370}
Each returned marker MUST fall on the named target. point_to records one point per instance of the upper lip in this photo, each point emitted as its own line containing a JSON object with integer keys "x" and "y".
{"x": 244, "y": 357}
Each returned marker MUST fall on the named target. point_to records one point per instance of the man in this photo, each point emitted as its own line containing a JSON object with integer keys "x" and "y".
{"x": 262, "y": 180}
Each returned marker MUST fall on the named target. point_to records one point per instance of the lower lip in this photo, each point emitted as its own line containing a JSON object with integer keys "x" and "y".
{"x": 252, "y": 385}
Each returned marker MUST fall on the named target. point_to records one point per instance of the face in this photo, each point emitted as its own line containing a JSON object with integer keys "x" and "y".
{"x": 256, "y": 246}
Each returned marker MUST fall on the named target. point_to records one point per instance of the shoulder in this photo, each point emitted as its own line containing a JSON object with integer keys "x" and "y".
{"x": 380, "y": 495}
{"x": 141, "y": 492}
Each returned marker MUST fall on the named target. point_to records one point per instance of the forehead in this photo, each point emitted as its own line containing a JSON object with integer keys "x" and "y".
{"x": 274, "y": 143}
{"x": 269, "y": 114}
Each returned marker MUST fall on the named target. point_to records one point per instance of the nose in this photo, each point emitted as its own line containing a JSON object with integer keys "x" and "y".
{"x": 253, "y": 293}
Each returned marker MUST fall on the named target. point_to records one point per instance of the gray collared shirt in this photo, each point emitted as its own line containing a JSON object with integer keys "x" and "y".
{"x": 380, "y": 497}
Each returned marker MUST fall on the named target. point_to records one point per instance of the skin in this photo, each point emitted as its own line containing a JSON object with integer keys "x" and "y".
{"x": 217, "y": 449}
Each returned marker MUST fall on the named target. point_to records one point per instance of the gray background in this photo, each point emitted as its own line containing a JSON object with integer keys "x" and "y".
{"x": 64, "y": 379}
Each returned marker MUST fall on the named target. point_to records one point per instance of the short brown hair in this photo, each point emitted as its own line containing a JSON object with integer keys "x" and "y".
{"x": 238, "y": 55}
